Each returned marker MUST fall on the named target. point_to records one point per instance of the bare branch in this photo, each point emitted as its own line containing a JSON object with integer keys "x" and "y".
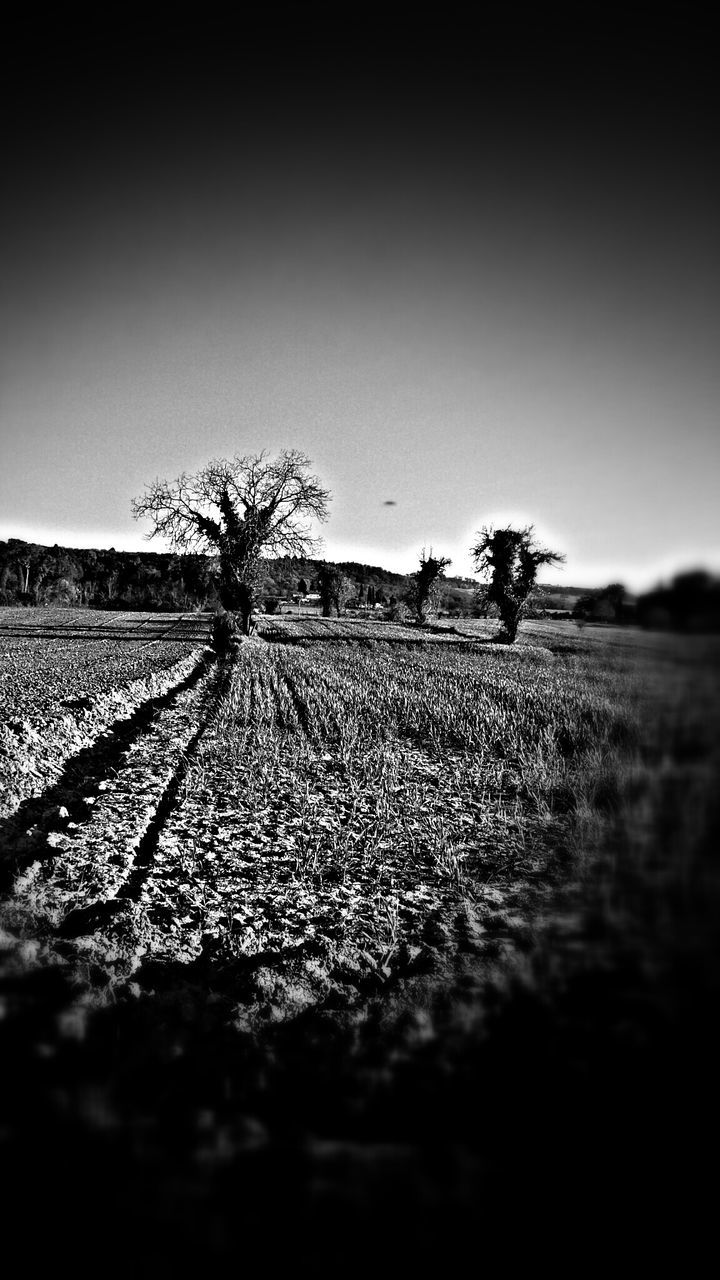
{"x": 239, "y": 509}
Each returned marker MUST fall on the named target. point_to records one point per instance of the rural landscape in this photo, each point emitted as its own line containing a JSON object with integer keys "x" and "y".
{"x": 375, "y": 926}
{"x": 360, "y": 642}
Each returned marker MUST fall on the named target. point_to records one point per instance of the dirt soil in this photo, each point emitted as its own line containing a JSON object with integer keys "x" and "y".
{"x": 532, "y": 1075}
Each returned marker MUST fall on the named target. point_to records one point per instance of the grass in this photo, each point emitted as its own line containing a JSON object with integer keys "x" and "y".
{"x": 429, "y": 940}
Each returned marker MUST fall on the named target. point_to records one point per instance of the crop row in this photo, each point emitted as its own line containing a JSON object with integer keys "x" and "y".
{"x": 293, "y": 627}
{"x": 349, "y": 796}
{"x": 356, "y": 801}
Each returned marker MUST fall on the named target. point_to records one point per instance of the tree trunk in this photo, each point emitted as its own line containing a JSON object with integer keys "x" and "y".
{"x": 246, "y": 602}
{"x": 224, "y": 634}
{"x": 238, "y": 598}
{"x": 510, "y": 615}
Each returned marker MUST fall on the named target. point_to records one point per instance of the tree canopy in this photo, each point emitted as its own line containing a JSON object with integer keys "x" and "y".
{"x": 334, "y": 588}
{"x": 511, "y": 558}
{"x": 239, "y": 510}
{"x": 423, "y": 595}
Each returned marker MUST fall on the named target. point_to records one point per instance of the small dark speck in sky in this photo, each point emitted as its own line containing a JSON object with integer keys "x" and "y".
{"x": 390, "y": 502}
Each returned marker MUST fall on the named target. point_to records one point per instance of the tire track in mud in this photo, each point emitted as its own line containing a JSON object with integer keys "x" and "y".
{"x": 81, "y": 777}
{"x": 70, "y": 879}
{"x": 168, "y": 801}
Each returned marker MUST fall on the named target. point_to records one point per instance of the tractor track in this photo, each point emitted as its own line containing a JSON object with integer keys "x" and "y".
{"x": 80, "y": 852}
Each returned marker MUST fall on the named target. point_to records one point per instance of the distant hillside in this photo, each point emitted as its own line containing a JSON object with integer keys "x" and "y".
{"x": 551, "y": 589}
{"x": 33, "y": 574}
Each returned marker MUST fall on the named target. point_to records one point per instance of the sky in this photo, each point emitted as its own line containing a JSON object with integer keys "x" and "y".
{"x": 470, "y": 269}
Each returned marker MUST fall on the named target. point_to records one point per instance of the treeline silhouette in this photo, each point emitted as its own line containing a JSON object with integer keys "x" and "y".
{"x": 32, "y": 574}
{"x": 689, "y": 602}
{"x": 152, "y": 581}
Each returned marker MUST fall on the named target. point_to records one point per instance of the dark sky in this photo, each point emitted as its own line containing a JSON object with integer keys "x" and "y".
{"x": 470, "y": 267}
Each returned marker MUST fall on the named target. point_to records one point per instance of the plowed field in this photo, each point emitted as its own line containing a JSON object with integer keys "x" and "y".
{"x": 350, "y": 924}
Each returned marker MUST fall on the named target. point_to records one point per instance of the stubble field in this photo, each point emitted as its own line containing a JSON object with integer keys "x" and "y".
{"x": 367, "y": 926}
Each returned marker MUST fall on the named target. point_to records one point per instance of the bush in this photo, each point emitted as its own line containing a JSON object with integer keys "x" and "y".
{"x": 397, "y": 611}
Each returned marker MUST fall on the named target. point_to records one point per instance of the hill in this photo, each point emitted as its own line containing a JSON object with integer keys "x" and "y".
{"x": 104, "y": 578}
{"x": 35, "y": 574}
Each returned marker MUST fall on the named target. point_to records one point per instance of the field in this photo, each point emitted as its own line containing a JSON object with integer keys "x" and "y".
{"x": 407, "y": 935}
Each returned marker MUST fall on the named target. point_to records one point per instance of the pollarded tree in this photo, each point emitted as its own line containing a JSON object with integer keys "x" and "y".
{"x": 238, "y": 511}
{"x": 511, "y": 558}
{"x": 425, "y": 584}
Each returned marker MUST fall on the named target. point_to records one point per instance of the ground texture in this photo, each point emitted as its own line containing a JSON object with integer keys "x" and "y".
{"x": 398, "y": 945}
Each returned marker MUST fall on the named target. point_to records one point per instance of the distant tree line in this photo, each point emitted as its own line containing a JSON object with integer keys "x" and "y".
{"x": 31, "y": 574}
{"x": 607, "y": 604}
{"x": 159, "y": 581}
{"x": 689, "y": 602}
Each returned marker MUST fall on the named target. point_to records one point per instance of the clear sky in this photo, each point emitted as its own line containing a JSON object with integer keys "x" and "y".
{"x": 470, "y": 269}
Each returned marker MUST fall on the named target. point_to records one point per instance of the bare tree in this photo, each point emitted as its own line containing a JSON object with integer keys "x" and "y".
{"x": 511, "y": 558}
{"x": 238, "y": 511}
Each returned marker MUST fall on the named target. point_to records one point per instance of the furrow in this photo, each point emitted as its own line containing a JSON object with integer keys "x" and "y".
{"x": 121, "y": 794}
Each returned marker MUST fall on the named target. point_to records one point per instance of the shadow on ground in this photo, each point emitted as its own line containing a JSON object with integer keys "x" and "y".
{"x": 564, "y": 1112}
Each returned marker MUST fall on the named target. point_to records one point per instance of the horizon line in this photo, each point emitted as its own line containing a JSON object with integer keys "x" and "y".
{"x": 659, "y": 577}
